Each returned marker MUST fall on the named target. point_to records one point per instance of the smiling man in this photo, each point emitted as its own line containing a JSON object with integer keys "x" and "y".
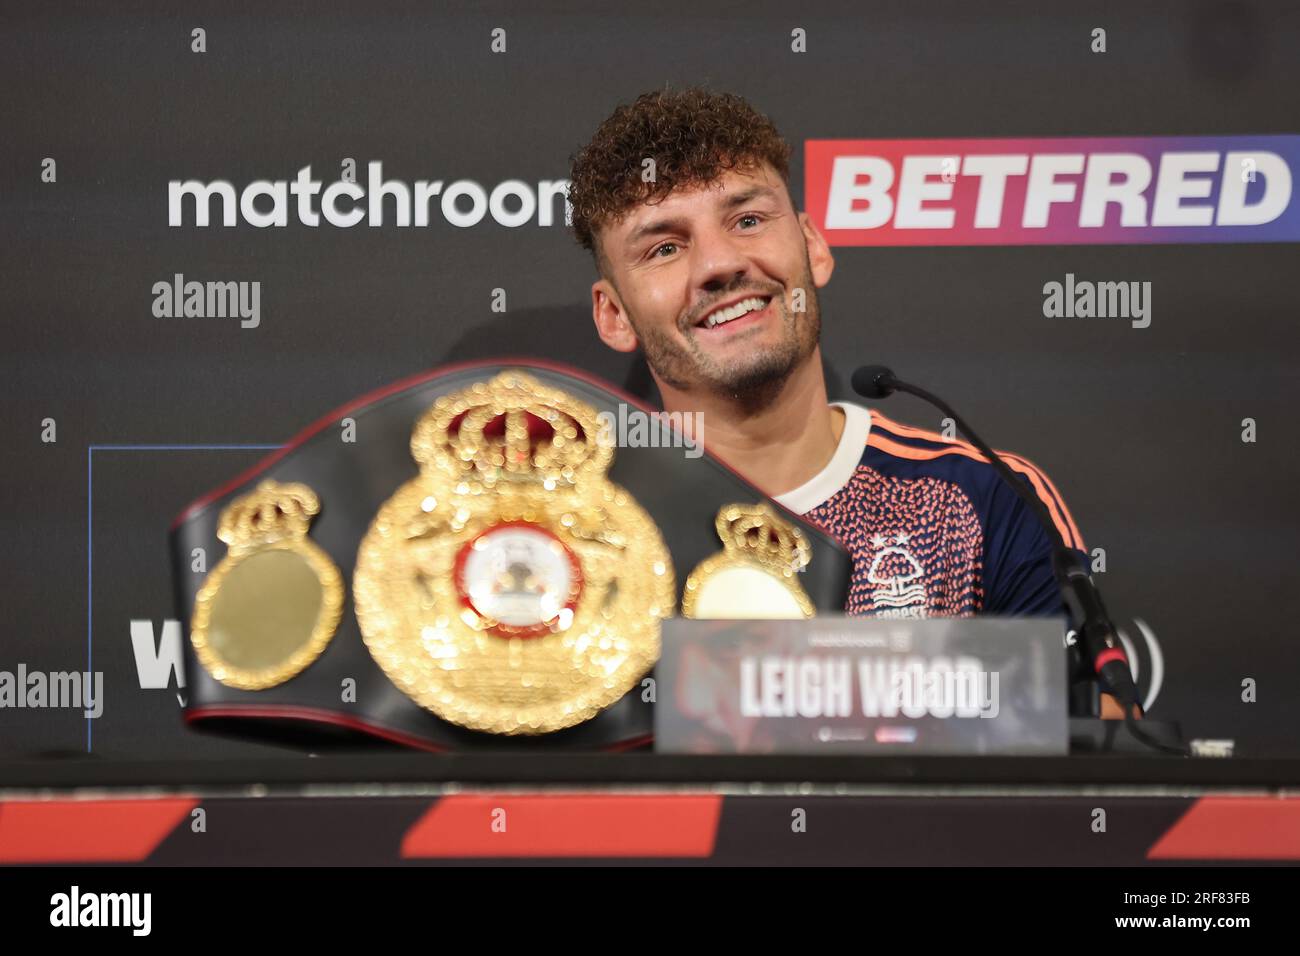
{"x": 707, "y": 267}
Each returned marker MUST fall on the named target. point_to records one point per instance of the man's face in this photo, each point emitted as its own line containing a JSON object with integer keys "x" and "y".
{"x": 717, "y": 284}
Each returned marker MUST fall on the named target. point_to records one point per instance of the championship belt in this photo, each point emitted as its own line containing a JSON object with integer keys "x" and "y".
{"x": 478, "y": 567}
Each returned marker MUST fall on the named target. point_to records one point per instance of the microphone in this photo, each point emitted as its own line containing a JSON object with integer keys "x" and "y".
{"x": 1097, "y": 635}
{"x": 873, "y": 381}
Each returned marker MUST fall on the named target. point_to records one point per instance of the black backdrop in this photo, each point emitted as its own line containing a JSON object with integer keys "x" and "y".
{"x": 1140, "y": 429}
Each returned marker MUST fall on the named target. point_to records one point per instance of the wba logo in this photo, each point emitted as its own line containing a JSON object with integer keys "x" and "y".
{"x": 959, "y": 192}
{"x": 158, "y": 661}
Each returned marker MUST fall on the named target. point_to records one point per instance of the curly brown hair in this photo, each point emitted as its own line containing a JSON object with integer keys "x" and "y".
{"x": 692, "y": 135}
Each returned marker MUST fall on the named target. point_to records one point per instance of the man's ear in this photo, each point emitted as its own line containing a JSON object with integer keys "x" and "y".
{"x": 819, "y": 252}
{"x": 611, "y": 320}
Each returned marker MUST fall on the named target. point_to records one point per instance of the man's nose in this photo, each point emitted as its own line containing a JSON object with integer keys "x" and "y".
{"x": 717, "y": 261}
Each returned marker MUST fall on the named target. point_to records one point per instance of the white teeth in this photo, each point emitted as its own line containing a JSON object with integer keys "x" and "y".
{"x": 734, "y": 311}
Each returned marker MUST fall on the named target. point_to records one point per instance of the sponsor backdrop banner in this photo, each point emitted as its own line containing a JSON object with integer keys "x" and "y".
{"x": 1017, "y": 192}
{"x": 1085, "y": 240}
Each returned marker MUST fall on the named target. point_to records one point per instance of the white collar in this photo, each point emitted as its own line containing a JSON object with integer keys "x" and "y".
{"x": 838, "y": 471}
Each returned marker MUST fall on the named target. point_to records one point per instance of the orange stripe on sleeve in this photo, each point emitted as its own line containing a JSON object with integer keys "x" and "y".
{"x": 1076, "y": 538}
{"x": 1055, "y": 503}
{"x": 968, "y": 451}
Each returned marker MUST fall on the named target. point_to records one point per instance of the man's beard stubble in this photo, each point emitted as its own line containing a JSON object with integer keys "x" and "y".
{"x": 753, "y": 385}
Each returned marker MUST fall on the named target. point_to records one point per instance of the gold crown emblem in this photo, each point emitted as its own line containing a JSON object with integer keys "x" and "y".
{"x": 272, "y": 511}
{"x": 511, "y": 428}
{"x": 760, "y": 533}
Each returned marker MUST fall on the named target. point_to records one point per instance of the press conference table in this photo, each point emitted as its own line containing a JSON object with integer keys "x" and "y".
{"x": 406, "y": 808}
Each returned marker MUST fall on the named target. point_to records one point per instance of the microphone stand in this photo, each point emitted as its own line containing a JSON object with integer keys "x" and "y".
{"x": 1097, "y": 635}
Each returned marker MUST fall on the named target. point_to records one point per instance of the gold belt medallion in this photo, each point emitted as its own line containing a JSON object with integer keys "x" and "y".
{"x": 755, "y": 573}
{"x": 512, "y": 587}
{"x": 271, "y": 605}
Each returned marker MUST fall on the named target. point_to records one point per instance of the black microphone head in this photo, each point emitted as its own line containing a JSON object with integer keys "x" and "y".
{"x": 873, "y": 381}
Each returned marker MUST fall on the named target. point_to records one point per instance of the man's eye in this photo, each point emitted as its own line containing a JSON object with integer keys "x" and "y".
{"x": 749, "y": 217}
{"x": 669, "y": 247}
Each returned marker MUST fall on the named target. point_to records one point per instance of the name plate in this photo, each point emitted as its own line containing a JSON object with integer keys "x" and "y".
{"x": 838, "y": 684}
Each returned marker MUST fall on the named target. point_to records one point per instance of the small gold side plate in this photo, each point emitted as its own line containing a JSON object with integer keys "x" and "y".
{"x": 272, "y": 604}
{"x": 754, "y": 576}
